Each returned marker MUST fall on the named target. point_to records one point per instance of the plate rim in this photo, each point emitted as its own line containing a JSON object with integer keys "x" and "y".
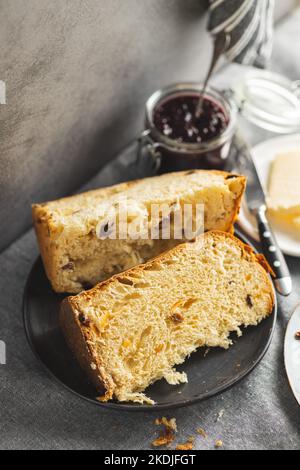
{"x": 244, "y": 223}
{"x": 286, "y": 339}
{"x": 144, "y": 407}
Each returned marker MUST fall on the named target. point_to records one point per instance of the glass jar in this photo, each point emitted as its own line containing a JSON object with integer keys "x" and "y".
{"x": 171, "y": 155}
{"x": 269, "y": 100}
{"x": 268, "y": 104}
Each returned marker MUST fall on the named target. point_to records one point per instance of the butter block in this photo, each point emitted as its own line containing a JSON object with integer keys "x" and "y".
{"x": 284, "y": 188}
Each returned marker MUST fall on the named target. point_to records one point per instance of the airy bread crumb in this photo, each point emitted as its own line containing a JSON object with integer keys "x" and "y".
{"x": 129, "y": 334}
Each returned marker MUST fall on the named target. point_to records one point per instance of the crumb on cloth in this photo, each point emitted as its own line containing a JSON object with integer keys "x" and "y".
{"x": 218, "y": 444}
{"x": 220, "y": 415}
{"x": 167, "y": 423}
{"x": 167, "y": 434}
{"x": 201, "y": 432}
{"x": 186, "y": 446}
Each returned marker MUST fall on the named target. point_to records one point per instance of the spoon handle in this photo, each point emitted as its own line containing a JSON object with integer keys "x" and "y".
{"x": 221, "y": 43}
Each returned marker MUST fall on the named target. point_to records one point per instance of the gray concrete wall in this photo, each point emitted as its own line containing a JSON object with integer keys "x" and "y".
{"x": 283, "y": 7}
{"x": 77, "y": 75}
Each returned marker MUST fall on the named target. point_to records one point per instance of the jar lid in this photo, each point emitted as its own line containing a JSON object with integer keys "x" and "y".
{"x": 269, "y": 100}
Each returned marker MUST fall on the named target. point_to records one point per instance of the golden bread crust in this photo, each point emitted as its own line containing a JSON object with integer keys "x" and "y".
{"x": 58, "y": 230}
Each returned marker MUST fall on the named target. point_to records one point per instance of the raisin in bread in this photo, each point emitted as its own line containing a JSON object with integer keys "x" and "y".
{"x": 132, "y": 329}
{"x": 76, "y": 259}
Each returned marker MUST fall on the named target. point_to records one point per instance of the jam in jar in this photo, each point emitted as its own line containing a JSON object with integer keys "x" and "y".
{"x": 177, "y": 139}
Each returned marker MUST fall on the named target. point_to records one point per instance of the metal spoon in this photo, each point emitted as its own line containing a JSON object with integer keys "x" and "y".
{"x": 221, "y": 43}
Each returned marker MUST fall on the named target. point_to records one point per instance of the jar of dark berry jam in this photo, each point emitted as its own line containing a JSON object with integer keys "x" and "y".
{"x": 177, "y": 140}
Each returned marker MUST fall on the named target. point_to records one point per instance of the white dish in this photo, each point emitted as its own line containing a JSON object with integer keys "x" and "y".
{"x": 292, "y": 353}
{"x": 263, "y": 156}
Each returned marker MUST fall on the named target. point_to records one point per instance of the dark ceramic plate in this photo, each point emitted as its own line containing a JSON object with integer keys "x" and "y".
{"x": 208, "y": 374}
